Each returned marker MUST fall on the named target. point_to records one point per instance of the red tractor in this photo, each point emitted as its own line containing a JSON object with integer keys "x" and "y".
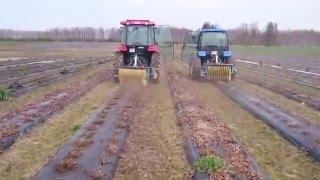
{"x": 138, "y": 54}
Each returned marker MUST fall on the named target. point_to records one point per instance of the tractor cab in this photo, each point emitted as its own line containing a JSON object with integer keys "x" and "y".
{"x": 137, "y": 41}
{"x": 213, "y": 46}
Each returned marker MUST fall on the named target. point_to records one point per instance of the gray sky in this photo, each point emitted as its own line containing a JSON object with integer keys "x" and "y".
{"x": 44, "y": 14}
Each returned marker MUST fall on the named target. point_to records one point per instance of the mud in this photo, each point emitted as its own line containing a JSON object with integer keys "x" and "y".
{"x": 292, "y": 94}
{"x": 108, "y": 128}
{"x": 209, "y": 134}
{"x": 299, "y": 132}
{"x": 21, "y": 121}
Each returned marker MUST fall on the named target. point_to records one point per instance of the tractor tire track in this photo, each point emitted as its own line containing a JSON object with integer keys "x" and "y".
{"x": 299, "y": 132}
{"x": 205, "y": 134}
{"x": 93, "y": 152}
{"x": 21, "y": 121}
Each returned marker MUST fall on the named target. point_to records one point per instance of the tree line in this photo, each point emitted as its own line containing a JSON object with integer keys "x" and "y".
{"x": 63, "y": 34}
{"x": 245, "y": 34}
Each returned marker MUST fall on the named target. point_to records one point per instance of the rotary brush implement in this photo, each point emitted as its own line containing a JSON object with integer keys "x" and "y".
{"x": 207, "y": 53}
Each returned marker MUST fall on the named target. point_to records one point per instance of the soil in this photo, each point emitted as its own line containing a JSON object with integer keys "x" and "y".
{"x": 44, "y": 74}
{"x": 210, "y": 135}
{"x": 94, "y": 151}
{"x": 21, "y": 121}
{"x": 155, "y": 146}
{"x": 289, "y": 93}
{"x": 297, "y": 131}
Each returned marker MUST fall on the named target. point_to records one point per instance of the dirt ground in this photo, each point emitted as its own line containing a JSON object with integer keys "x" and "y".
{"x": 155, "y": 146}
{"x": 105, "y": 130}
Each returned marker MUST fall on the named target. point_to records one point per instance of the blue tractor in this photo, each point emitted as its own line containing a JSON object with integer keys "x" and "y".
{"x": 208, "y": 55}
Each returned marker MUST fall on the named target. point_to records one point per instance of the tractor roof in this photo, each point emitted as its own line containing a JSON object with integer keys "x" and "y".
{"x": 137, "y": 22}
{"x": 212, "y": 30}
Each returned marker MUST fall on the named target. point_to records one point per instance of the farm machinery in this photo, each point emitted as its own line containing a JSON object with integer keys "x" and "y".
{"x": 138, "y": 55}
{"x": 207, "y": 53}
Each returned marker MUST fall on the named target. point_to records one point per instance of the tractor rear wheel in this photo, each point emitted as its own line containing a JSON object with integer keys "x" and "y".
{"x": 155, "y": 63}
{"x": 116, "y": 66}
{"x": 232, "y": 61}
{"x": 194, "y": 69}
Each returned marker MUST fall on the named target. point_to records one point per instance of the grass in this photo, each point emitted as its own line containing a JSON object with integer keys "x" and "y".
{"x": 209, "y": 164}
{"x": 30, "y": 153}
{"x": 22, "y": 70}
{"x": 76, "y": 127}
{"x": 281, "y": 51}
{"x": 4, "y": 94}
{"x": 36, "y": 49}
{"x": 278, "y": 158}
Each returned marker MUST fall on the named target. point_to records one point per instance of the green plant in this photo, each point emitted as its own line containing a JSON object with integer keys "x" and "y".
{"x": 209, "y": 163}
{"x": 4, "y": 94}
{"x": 22, "y": 70}
{"x": 76, "y": 127}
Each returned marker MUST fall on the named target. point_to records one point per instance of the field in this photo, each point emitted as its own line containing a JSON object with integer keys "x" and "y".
{"x": 64, "y": 118}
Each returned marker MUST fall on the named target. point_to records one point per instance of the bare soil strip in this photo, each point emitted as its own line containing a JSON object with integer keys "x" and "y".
{"x": 31, "y": 152}
{"x": 21, "y": 121}
{"x": 209, "y": 134}
{"x": 310, "y": 101}
{"x": 299, "y": 132}
{"x": 93, "y": 152}
{"x": 155, "y": 145}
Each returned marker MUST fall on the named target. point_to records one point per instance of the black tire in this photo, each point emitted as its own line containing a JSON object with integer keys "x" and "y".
{"x": 116, "y": 65}
{"x": 194, "y": 69}
{"x": 156, "y": 80}
{"x": 233, "y": 76}
{"x": 116, "y": 79}
{"x": 230, "y": 61}
{"x": 155, "y": 63}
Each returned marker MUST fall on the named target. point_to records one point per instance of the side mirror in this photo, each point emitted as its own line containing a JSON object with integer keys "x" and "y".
{"x": 121, "y": 29}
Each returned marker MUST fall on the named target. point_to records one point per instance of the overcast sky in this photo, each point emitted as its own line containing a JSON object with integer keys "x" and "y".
{"x": 45, "y": 14}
